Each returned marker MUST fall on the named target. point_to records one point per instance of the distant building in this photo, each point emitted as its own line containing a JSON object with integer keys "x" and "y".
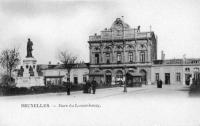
{"x": 53, "y": 74}
{"x": 174, "y": 71}
{"x": 121, "y": 49}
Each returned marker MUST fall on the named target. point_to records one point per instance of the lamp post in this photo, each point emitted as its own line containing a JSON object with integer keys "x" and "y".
{"x": 125, "y": 89}
{"x": 123, "y": 36}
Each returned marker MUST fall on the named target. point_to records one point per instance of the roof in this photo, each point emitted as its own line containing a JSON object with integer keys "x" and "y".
{"x": 177, "y": 61}
{"x": 120, "y": 30}
{"x": 119, "y": 24}
{"x": 61, "y": 66}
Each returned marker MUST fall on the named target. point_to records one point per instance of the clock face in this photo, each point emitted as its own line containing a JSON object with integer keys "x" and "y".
{"x": 118, "y": 24}
{"x": 118, "y": 27}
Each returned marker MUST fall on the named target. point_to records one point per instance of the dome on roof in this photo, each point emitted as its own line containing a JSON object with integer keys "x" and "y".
{"x": 118, "y": 24}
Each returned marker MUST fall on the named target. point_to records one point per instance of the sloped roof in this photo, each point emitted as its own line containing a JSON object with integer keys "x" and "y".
{"x": 61, "y": 66}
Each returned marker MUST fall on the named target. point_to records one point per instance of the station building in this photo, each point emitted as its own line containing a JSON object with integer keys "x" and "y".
{"x": 121, "y": 49}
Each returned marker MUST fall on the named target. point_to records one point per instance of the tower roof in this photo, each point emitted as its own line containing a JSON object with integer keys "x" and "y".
{"x": 119, "y": 24}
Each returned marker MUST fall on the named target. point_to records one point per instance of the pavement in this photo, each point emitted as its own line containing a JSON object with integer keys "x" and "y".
{"x": 142, "y": 106}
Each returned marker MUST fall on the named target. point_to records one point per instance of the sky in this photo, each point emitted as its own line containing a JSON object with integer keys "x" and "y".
{"x": 55, "y": 25}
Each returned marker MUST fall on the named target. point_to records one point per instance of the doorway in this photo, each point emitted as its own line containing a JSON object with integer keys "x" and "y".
{"x": 108, "y": 78}
{"x": 167, "y": 78}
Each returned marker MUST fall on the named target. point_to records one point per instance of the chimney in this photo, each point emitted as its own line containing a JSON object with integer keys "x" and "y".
{"x": 162, "y": 55}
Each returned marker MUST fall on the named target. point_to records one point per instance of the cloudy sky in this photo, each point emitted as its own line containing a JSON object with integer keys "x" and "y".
{"x": 63, "y": 24}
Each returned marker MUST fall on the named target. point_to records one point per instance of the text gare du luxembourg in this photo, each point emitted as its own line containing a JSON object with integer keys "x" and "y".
{"x": 59, "y": 105}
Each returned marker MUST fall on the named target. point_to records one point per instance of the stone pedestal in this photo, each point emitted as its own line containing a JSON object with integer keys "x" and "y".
{"x": 29, "y": 65}
{"x": 30, "y": 76}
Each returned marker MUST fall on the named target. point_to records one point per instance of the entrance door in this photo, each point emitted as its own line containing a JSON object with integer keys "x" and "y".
{"x": 167, "y": 78}
{"x": 144, "y": 76}
{"x": 108, "y": 78}
{"x": 76, "y": 80}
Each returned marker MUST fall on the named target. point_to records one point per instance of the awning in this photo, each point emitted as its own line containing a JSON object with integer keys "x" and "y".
{"x": 135, "y": 74}
{"x": 96, "y": 74}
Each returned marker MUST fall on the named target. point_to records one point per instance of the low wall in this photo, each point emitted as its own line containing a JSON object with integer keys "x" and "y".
{"x": 29, "y": 81}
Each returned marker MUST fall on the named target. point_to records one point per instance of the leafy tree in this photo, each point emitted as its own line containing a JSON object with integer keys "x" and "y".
{"x": 9, "y": 59}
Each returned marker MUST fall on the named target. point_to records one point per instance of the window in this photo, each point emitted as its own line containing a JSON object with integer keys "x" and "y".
{"x": 187, "y": 69}
{"x": 178, "y": 76}
{"x": 142, "y": 57}
{"x": 84, "y": 78}
{"x": 130, "y": 56}
{"x": 75, "y": 80}
{"x": 108, "y": 58}
{"x": 157, "y": 76}
{"x": 97, "y": 58}
{"x": 196, "y": 69}
{"x": 119, "y": 57}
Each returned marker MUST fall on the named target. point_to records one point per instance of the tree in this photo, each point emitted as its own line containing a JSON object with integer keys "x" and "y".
{"x": 9, "y": 59}
{"x": 68, "y": 60}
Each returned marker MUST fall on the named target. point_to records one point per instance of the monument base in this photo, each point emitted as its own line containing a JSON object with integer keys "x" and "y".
{"x": 29, "y": 81}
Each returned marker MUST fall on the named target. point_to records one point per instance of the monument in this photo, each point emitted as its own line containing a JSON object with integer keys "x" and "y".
{"x": 28, "y": 76}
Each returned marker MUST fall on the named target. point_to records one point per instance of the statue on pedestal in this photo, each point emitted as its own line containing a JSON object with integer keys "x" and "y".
{"x": 29, "y": 48}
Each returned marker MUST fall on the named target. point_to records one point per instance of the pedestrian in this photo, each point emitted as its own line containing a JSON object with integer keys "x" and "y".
{"x": 89, "y": 87}
{"x": 85, "y": 87}
{"x": 191, "y": 81}
{"x": 94, "y": 85}
{"x": 160, "y": 83}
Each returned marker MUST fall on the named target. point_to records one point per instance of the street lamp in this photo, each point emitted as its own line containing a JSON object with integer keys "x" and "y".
{"x": 125, "y": 89}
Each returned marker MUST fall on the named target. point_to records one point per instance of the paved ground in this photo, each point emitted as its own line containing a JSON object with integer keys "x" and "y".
{"x": 144, "y": 106}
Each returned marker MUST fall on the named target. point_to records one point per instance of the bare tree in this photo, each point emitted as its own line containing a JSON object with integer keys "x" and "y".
{"x": 68, "y": 60}
{"x": 9, "y": 59}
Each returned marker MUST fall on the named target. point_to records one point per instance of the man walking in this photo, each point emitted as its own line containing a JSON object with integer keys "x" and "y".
{"x": 94, "y": 84}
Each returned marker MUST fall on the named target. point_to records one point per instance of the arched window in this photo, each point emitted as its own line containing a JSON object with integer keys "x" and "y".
{"x": 96, "y": 58}
{"x": 142, "y": 57}
{"x": 119, "y": 57}
{"x": 119, "y": 75}
{"x": 108, "y": 58}
{"x": 130, "y": 56}
{"x": 187, "y": 69}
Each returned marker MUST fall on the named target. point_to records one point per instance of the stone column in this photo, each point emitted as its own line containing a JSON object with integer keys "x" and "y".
{"x": 90, "y": 48}
{"x": 113, "y": 53}
{"x": 124, "y": 46}
{"x": 149, "y": 50}
{"x": 101, "y": 52}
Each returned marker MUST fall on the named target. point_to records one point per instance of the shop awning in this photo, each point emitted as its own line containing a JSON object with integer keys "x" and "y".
{"x": 135, "y": 74}
{"x": 96, "y": 74}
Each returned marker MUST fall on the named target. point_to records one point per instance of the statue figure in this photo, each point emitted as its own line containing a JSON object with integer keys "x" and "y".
{"x": 29, "y": 48}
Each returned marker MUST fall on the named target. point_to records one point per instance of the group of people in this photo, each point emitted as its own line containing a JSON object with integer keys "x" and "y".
{"x": 90, "y": 85}
{"x": 189, "y": 80}
{"x": 159, "y": 83}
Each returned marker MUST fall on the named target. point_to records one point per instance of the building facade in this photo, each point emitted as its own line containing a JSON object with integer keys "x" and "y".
{"x": 120, "y": 50}
{"x": 174, "y": 71}
{"x": 53, "y": 74}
